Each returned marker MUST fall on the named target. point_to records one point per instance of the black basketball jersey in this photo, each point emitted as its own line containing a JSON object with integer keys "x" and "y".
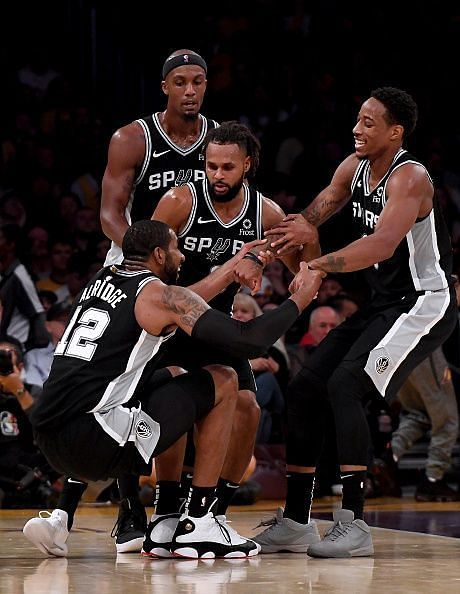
{"x": 423, "y": 259}
{"x": 207, "y": 242}
{"x": 165, "y": 165}
{"x": 100, "y": 358}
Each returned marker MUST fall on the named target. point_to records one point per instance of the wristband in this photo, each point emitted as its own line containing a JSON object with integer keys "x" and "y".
{"x": 254, "y": 258}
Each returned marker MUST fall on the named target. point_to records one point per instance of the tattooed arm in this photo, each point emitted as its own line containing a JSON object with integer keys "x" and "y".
{"x": 160, "y": 307}
{"x": 299, "y": 229}
{"x": 409, "y": 195}
{"x": 126, "y": 153}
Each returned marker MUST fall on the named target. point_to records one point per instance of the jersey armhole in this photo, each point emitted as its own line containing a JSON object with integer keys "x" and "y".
{"x": 191, "y": 216}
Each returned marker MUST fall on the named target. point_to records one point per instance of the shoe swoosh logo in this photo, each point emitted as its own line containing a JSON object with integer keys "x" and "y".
{"x": 155, "y": 154}
{"x": 201, "y": 220}
{"x": 345, "y": 476}
{"x": 69, "y": 480}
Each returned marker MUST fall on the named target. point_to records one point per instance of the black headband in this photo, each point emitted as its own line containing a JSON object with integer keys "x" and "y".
{"x": 183, "y": 60}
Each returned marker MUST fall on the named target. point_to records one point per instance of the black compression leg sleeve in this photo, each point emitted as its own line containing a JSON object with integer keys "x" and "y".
{"x": 346, "y": 391}
{"x": 128, "y": 486}
{"x": 69, "y": 498}
{"x": 308, "y": 412}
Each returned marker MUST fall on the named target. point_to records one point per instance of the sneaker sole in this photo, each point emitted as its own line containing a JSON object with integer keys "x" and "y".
{"x": 285, "y": 548}
{"x": 37, "y": 534}
{"x": 157, "y": 553}
{"x": 191, "y": 553}
{"x": 132, "y": 546}
{"x": 360, "y": 552}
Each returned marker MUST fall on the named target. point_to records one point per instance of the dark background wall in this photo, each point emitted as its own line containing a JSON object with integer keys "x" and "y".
{"x": 295, "y": 71}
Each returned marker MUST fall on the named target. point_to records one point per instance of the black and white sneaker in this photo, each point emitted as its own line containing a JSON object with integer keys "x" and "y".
{"x": 160, "y": 531}
{"x": 208, "y": 538}
{"x": 129, "y": 531}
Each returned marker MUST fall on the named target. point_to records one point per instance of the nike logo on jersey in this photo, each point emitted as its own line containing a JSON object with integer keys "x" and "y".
{"x": 201, "y": 220}
{"x": 155, "y": 154}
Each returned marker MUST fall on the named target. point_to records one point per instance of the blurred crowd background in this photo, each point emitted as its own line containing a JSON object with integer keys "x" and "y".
{"x": 296, "y": 72}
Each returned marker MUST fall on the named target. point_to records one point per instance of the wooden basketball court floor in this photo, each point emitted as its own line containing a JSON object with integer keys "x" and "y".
{"x": 417, "y": 559}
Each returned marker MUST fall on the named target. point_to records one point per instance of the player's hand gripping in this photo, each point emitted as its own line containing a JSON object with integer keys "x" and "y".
{"x": 295, "y": 231}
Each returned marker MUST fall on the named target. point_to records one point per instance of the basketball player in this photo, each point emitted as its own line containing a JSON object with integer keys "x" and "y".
{"x": 104, "y": 412}
{"x": 403, "y": 246}
{"x": 213, "y": 219}
{"x": 146, "y": 158}
{"x": 155, "y": 153}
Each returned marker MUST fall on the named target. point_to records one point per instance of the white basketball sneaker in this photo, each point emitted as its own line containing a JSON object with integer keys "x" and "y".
{"x": 208, "y": 538}
{"x": 48, "y": 532}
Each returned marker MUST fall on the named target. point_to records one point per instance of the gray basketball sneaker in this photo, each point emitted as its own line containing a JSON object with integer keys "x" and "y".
{"x": 285, "y": 535}
{"x": 346, "y": 538}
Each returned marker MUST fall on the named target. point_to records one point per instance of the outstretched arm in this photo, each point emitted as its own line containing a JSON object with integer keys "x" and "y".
{"x": 126, "y": 153}
{"x": 409, "y": 195}
{"x": 297, "y": 229}
{"x": 159, "y": 306}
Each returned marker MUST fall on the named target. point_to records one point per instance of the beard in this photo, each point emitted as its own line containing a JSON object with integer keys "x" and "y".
{"x": 231, "y": 192}
{"x": 170, "y": 272}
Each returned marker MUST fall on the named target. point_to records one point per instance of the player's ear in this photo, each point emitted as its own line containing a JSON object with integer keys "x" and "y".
{"x": 160, "y": 255}
{"x": 397, "y": 132}
{"x": 247, "y": 164}
{"x": 164, "y": 87}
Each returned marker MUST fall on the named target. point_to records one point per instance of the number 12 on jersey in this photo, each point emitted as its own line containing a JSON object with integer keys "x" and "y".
{"x": 83, "y": 331}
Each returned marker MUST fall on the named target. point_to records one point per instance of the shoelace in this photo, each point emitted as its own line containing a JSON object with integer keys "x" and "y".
{"x": 338, "y": 530}
{"x": 224, "y": 531}
{"x": 44, "y": 514}
{"x": 124, "y": 522}
{"x": 271, "y": 522}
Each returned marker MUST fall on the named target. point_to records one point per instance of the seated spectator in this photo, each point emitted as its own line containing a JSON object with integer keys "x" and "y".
{"x": 39, "y": 260}
{"x": 47, "y": 299}
{"x": 322, "y": 320}
{"x": 343, "y": 304}
{"x": 23, "y": 314}
{"x": 61, "y": 251}
{"x": 25, "y": 475}
{"x": 330, "y": 287}
{"x": 429, "y": 404}
{"x": 38, "y": 361}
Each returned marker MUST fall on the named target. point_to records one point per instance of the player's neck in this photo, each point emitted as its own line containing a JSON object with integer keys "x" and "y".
{"x": 381, "y": 163}
{"x": 182, "y": 131}
{"x": 227, "y": 211}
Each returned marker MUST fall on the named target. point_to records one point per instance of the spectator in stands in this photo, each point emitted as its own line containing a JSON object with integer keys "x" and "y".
{"x": 38, "y": 361}
{"x": 23, "y": 314}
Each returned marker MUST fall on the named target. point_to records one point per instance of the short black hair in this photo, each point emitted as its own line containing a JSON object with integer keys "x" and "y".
{"x": 400, "y": 106}
{"x": 233, "y": 132}
{"x": 15, "y": 344}
{"x": 143, "y": 237}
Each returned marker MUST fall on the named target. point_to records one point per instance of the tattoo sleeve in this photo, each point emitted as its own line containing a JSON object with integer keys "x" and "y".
{"x": 322, "y": 208}
{"x": 184, "y": 303}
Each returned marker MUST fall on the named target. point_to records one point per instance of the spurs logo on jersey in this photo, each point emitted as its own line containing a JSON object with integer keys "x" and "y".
{"x": 208, "y": 242}
{"x": 422, "y": 259}
{"x": 167, "y": 179}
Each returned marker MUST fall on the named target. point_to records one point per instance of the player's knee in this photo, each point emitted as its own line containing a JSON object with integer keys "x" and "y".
{"x": 344, "y": 383}
{"x": 304, "y": 390}
{"x": 225, "y": 382}
{"x": 247, "y": 406}
{"x": 175, "y": 370}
